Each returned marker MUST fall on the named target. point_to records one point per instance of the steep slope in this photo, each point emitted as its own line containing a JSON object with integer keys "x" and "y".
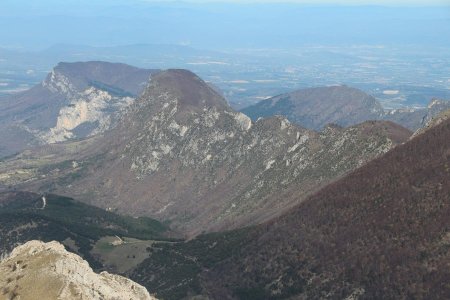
{"x": 181, "y": 154}
{"x": 38, "y": 270}
{"x": 433, "y": 121}
{"x": 382, "y": 232}
{"x": 316, "y": 107}
{"x": 74, "y": 101}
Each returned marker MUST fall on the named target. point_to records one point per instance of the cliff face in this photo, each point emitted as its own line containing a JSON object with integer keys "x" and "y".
{"x": 432, "y": 121}
{"x": 76, "y": 100}
{"x": 38, "y": 270}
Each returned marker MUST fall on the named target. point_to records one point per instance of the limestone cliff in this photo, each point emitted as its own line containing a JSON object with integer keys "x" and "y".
{"x": 75, "y": 100}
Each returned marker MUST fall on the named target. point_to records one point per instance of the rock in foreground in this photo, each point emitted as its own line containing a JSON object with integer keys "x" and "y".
{"x": 38, "y": 270}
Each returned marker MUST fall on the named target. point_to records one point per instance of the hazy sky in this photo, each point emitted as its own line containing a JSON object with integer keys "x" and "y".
{"x": 222, "y": 24}
{"x": 339, "y": 2}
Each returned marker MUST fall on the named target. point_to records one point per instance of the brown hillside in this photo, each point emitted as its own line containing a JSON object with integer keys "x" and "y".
{"x": 383, "y": 232}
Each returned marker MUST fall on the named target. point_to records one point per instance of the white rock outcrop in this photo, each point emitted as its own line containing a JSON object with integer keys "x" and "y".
{"x": 38, "y": 270}
{"x": 92, "y": 106}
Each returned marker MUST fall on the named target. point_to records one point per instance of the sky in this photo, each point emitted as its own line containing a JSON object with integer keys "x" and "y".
{"x": 219, "y": 24}
{"x": 322, "y": 2}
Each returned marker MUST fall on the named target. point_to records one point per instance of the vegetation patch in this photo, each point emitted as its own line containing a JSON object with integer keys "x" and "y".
{"x": 23, "y": 217}
{"x": 121, "y": 254}
{"x": 172, "y": 270}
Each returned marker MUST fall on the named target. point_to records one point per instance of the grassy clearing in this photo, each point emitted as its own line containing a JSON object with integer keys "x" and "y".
{"x": 124, "y": 257}
{"x": 79, "y": 224}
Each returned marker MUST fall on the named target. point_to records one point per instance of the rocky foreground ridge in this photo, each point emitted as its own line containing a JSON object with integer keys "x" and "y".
{"x": 38, "y": 270}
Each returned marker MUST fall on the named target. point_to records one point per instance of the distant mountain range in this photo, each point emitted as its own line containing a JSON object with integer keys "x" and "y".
{"x": 314, "y": 108}
{"x": 76, "y": 100}
{"x": 181, "y": 154}
{"x": 79, "y": 100}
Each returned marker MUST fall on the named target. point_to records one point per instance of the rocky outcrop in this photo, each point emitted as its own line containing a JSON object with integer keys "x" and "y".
{"x": 417, "y": 118}
{"x": 76, "y": 100}
{"x": 433, "y": 121}
{"x": 89, "y": 113}
{"x": 38, "y": 270}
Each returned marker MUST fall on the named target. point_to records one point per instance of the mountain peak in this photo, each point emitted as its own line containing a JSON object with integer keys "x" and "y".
{"x": 190, "y": 90}
{"x": 116, "y": 77}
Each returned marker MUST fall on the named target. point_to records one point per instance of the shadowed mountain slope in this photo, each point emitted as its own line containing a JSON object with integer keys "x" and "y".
{"x": 381, "y": 232}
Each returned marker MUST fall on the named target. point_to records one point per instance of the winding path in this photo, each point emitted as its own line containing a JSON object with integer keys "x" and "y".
{"x": 44, "y": 202}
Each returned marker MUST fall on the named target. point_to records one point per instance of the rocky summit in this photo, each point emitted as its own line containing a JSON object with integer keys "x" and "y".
{"x": 180, "y": 153}
{"x": 76, "y": 100}
{"x": 38, "y": 270}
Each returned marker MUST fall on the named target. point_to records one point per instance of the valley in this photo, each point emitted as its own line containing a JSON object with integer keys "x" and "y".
{"x": 278, "y": 259}
{"x": 224, "y": 150}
